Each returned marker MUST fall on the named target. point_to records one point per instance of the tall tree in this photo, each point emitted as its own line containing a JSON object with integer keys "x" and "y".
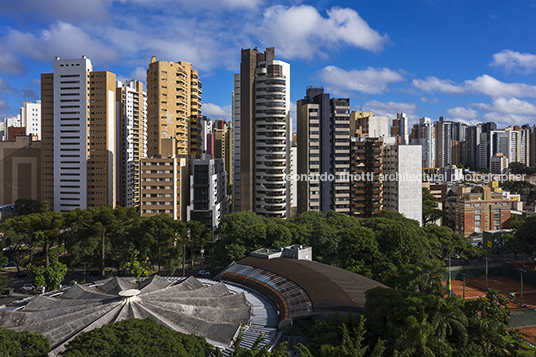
{"x": 161, "y": 234}
{"x": 94, "y": 231}
{"x": 25, "y": 206}
{"x": 17, "y": 244}
{"x": 430, "y": 213}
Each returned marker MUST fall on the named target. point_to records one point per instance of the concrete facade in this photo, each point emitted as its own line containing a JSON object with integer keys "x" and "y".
{"x": 402, "y": 180}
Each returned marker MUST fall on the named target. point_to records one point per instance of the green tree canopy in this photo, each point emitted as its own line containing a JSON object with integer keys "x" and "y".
{"x": 136, "y": 337}
{"x": 51, "y": 276}
{"x": 22, "y": 344}
{"x": 25, "y": 206}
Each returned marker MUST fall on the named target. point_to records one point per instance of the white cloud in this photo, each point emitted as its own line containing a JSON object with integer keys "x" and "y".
{"x": 433, "y": 84}
{"x": 9, "y": 64}
{"x": 509, "y": 106}
{"x": 508, "y": 119}
{"x": 140, "y": 74}
{"x": 434, "y": 100}
{"x": 515, "y": 61}
{"x": 207, "y": 5}
{"x": 370, "y": 80}
{"x": 217, "y": 112}
{"x": 389, "y": 108}
{"x": 302, "y": 32}
{"x": 5, "y": 87}
{"x": 494, "y": 88}
{"x": 483, "y": 84}
{"x": 462, "y": 113}
{"x": 63, "y": 40}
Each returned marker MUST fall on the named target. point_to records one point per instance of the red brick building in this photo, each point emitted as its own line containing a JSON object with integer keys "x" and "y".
{"x": 477, "y": 211}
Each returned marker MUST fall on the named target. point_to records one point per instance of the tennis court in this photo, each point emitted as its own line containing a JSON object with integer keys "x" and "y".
{"x": 505, "y": 286}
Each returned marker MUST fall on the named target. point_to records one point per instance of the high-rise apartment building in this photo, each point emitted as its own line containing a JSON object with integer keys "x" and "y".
{"x": 400, "y": 128}
{"x": 78, "y": 136}
{"x": 261, "y": 110}
{"x": 174, "y": 107}
{"x": 323, "y": 151}
{"x": 366, "y": 189}
{"x": 30, "y": 114}
{"x": 443, "y": 142}
{"x": 365, "y": 124}
{"x": 469, "y": 148}
{"x": 423, "y": 134}
{"x": 499, "y": 164}
{"x": 402, "y": 186}
{"x": 222, "y": 145}
{"x": 131, "y": 102}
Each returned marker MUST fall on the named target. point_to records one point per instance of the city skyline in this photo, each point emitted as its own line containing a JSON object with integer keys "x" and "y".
{"x": 467, "y": 62}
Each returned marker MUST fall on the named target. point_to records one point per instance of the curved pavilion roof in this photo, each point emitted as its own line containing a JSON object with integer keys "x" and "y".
{"x": 328, "y": 288}
{"x": 187, "y": 306}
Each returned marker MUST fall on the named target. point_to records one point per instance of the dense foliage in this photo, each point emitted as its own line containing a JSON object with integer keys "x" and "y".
{"x": 388, "y": 247}
{"x": 136, "y": 337}
{"x": 22, "y": 344}
{"x": 105, "y": 236}
{"x": 417, "y": 324}
{"x": 517, "y": 168}
{"x": 49, "y": 277}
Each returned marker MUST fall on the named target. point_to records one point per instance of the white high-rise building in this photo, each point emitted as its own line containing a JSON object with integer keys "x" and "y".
{"x": 273, "y": 130}
{"x": 3, "y": 133}
{"x": 262, "y": 134}
{"x": 424, "y": 134}
{"x": 78, "y": 136}
{"x": 131, "y": 107}
{"x": 31, "y": 118}
{"x": 402, "y": 184}
{"x": 15, "y": 122}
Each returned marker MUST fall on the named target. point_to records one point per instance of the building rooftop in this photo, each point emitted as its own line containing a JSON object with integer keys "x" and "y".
{"x": 212, "y": 310}
{"x": 329, "y": 289}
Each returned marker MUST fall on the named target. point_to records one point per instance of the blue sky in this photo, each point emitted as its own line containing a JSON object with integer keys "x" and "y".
{"x": 470, "y": 60}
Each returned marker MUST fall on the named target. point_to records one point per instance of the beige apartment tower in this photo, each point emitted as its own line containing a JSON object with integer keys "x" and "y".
{"x": 78, "y": 136}
{"x": 165, "y": 183}
{"x": 174, "y": 107}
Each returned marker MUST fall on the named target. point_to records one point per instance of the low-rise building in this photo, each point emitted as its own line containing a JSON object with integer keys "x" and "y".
{"x": 478, "y": 210}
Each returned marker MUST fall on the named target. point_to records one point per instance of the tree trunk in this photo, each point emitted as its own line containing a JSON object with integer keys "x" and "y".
{"x": 103, "y": 252}
{"x": 183, "y": 261}
{"x": 159, "y": 254}
{"x": 45, "y": 248}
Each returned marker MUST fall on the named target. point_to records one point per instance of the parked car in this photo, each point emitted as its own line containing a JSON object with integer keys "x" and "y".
{"x": 22, "y": 276}
{"x": 204, "y": 273}
{"x": 28, "y": 287}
